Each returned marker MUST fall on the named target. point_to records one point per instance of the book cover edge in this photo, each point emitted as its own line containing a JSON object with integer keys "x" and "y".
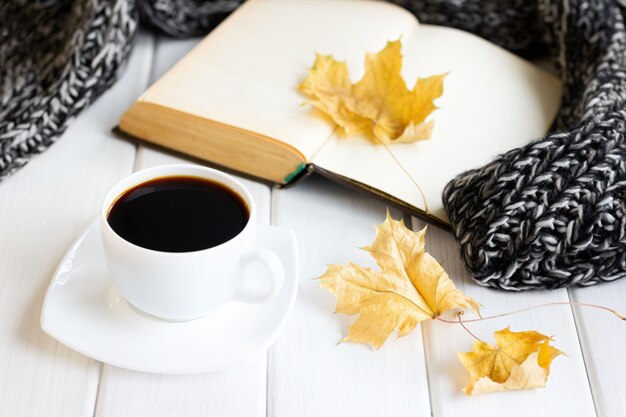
{"x": 393, "y": 201}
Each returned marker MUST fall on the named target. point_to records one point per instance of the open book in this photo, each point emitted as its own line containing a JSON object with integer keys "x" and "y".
{"x": 234, "y": 100}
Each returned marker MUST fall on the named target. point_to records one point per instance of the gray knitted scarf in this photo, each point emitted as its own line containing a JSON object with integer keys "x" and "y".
{"x": 548, "y": 215}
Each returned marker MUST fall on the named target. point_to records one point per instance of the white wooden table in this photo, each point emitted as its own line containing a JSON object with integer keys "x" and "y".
{"x": 48, "y": 203}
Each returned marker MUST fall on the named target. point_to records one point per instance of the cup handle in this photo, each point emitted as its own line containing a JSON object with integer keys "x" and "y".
{"x": 274, "y": 266}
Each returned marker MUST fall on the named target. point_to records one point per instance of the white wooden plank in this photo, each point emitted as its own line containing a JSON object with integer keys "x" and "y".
{"x": 44, "y": 207}
{"x": 236, "y": 392}
{"x": 309, "y": 375}
{"x": 603, "y": 337}
{"x": 567, "y": 392}
{"x": 239, "y": 392}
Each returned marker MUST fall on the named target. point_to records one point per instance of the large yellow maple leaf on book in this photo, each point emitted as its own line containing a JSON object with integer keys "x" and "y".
{"x": 380, "y": 102}
{"x": 410, "y": 287}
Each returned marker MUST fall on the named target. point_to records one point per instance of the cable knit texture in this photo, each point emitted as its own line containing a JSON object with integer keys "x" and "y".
{"x": 548, "y": 215}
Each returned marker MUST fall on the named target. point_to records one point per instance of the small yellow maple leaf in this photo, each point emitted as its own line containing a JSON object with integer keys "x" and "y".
{"x": 410, "y": 287}
{"x": 521, "y": 360}
{"x": 380, "y": 102}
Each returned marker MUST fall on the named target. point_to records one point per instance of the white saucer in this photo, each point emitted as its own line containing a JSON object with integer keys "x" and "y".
{"x": 84, "y": 311}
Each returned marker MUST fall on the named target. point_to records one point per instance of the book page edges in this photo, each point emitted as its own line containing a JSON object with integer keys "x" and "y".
{"x": 235, "y": 148}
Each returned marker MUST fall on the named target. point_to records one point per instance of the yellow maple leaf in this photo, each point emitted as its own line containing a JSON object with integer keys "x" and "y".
{"x": 380, "y": 102}
{"x": 521, "y": 360}
{"x": 410, "y": 287}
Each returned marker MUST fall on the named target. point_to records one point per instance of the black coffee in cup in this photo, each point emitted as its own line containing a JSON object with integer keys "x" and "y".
{"x": 178, "y": 214}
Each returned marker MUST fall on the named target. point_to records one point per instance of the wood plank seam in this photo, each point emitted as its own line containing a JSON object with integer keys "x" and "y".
{"x": 579, "y": 330}
{"x": 272, "y": 221}
{"x": 409, "y": 222}
{"x": 95, "y": 400}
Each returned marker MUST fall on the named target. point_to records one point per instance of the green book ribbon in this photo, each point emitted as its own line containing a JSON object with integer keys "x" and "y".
{"x": 295, "y": 173}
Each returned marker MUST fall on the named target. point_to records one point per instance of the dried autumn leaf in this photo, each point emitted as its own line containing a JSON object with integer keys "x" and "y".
{"x": 380, "y": 102}
{"x": 521, "y": 360}
{"x": 329, "y": 83}
{"x": 410, "y": 287}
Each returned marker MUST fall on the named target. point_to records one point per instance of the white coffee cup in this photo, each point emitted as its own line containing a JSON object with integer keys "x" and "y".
{"x": 183, "y": 286}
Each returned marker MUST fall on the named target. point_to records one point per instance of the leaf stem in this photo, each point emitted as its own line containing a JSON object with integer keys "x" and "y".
{"x": 407, "y": 174}
{"x": 459, "y": 314}
{"x": 556, "y": 303}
